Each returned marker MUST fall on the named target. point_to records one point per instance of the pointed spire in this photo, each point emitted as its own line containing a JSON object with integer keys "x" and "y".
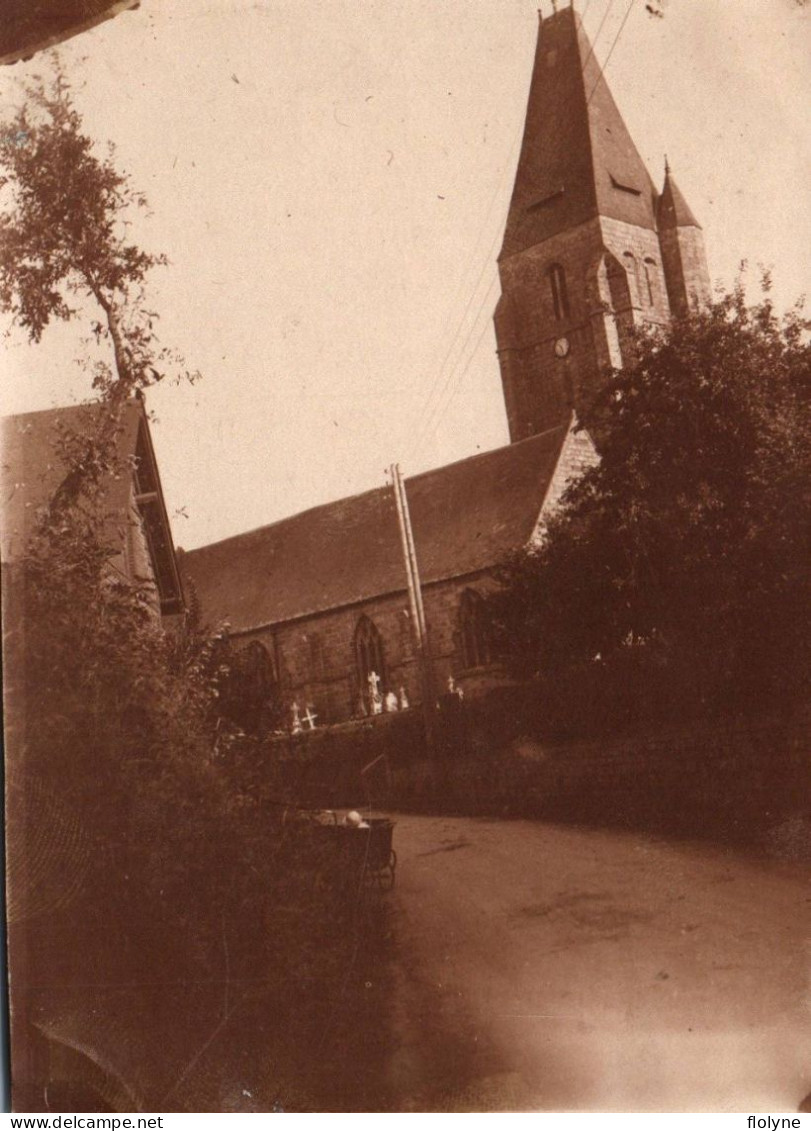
{"x": 672, "y": 210}
{"x": 577, "y": 160}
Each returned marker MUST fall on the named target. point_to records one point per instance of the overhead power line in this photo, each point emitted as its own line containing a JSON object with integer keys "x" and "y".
{"x": 463, "y": 374}
{"x": 429, "y": 408}
{"x": 452, "y": 381}
{"x": 611, "y": 50}
{"x": 590, "y": 51}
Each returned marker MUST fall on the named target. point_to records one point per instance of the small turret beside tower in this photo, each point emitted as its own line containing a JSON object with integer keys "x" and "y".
{"x": 683, "y": 255}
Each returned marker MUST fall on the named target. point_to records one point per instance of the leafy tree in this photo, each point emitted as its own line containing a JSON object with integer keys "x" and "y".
{"x": 64, "y": 235}
{"x": 158, "y": 860}
{"x": 174, "y": 864}
{"x": 64, "y": 243}
{"x": 686, "y": 547}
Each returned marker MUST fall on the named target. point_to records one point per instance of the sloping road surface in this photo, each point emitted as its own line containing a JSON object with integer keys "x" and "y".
{"x": 554, "y": 968}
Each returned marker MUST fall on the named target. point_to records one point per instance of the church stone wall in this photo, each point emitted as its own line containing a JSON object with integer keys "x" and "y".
{"x": 577, "y": 456}
{"x": 537, "y": 384}
{"x": 607, "y": 293}
{"x": 643, "y": 243}
{"x": 685, "y": 263}
{"x": 315, "y": 656}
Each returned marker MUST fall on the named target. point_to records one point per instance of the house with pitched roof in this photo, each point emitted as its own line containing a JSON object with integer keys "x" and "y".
{"x": 65, "y": 1034}
{"x": 591, "y": 249}
{"x": 134, "y": 512}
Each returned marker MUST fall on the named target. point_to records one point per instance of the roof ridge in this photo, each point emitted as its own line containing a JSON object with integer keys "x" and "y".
{"x": 369, "y": 492}
{"x": 285, "y": 518}
{"x": 466, "y": 516}
{"x": 489, "y": 452}
{"x": 130, "y": 402}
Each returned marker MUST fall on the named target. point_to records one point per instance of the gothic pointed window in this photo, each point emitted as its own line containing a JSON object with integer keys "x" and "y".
{"x": 260, "y": 675}
{"x": 631, "y": 266}
{"x": 560, "y": 295}
{"x": 248, "y": 688}
{"x": 474, "y": 630}
{"x": 649, "y": 267}
{"x": 369, "y": 657}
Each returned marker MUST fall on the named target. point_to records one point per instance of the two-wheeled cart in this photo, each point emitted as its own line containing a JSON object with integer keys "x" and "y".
{"x": 356, "y": 854}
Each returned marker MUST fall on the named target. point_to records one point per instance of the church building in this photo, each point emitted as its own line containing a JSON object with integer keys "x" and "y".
{"x": 590, "y": 250}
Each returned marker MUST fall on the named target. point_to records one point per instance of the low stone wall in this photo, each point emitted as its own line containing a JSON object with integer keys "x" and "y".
{"x": 746, "y": 779}
{"x": 343, "y": 766}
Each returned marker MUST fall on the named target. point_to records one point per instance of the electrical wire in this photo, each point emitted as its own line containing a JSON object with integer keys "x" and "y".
{"x": 426, "y": 431}
{"x": 590, "y": 51}
{"x": 432, "y": 421}
{"x": 428, "y": 408}
{"x": 601, "y": 77}
{"x": 463, "y": 374}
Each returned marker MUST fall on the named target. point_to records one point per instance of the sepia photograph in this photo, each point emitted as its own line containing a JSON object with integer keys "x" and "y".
{"x": 404, "y": 529}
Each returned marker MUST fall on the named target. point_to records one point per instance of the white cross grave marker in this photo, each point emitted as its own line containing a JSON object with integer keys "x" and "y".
{"x": 374, "y": 682}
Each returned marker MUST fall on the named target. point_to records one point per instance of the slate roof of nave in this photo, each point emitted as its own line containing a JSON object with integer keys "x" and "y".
{"x": 465, "y": 517}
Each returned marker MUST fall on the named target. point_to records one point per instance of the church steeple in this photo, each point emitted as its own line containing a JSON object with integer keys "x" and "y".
{"x": 577, "y": 158}
{"x": 581, "y": 262}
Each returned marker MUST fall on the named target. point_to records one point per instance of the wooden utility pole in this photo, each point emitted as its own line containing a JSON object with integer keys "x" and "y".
{"x": 420, "y": 630}
{"x": 414, "y": 605}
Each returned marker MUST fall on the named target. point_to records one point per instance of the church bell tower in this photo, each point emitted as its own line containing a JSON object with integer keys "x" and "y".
{"x": 590, "y": 248}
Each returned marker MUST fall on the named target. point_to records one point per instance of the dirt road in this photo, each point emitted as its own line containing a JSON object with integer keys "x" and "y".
{"x": 544, "y": 967}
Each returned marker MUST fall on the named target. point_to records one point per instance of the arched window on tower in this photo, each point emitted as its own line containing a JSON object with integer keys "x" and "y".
{"x": 631, "y": 265}
{"x": 649, "y": 267}
{"x": 369, "y": 657}
{"x": 560, "y": 296}
{"x": 474, "y": 630}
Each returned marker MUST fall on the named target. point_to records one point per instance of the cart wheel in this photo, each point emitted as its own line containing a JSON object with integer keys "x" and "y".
{"x": 386, "y": 874}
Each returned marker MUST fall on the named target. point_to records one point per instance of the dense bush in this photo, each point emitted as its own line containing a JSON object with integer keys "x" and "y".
{"x": 679, "y": 563}
{"x": 144, "y": 853}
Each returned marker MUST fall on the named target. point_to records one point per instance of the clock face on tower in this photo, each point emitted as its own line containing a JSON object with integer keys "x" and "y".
{"x": 562, "y": 347}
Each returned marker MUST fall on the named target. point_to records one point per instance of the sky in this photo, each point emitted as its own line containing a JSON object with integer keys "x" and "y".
{"x": 330, "y": 183}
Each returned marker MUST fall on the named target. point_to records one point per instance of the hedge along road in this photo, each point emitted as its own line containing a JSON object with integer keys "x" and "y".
{"x": 548, "y": 967}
